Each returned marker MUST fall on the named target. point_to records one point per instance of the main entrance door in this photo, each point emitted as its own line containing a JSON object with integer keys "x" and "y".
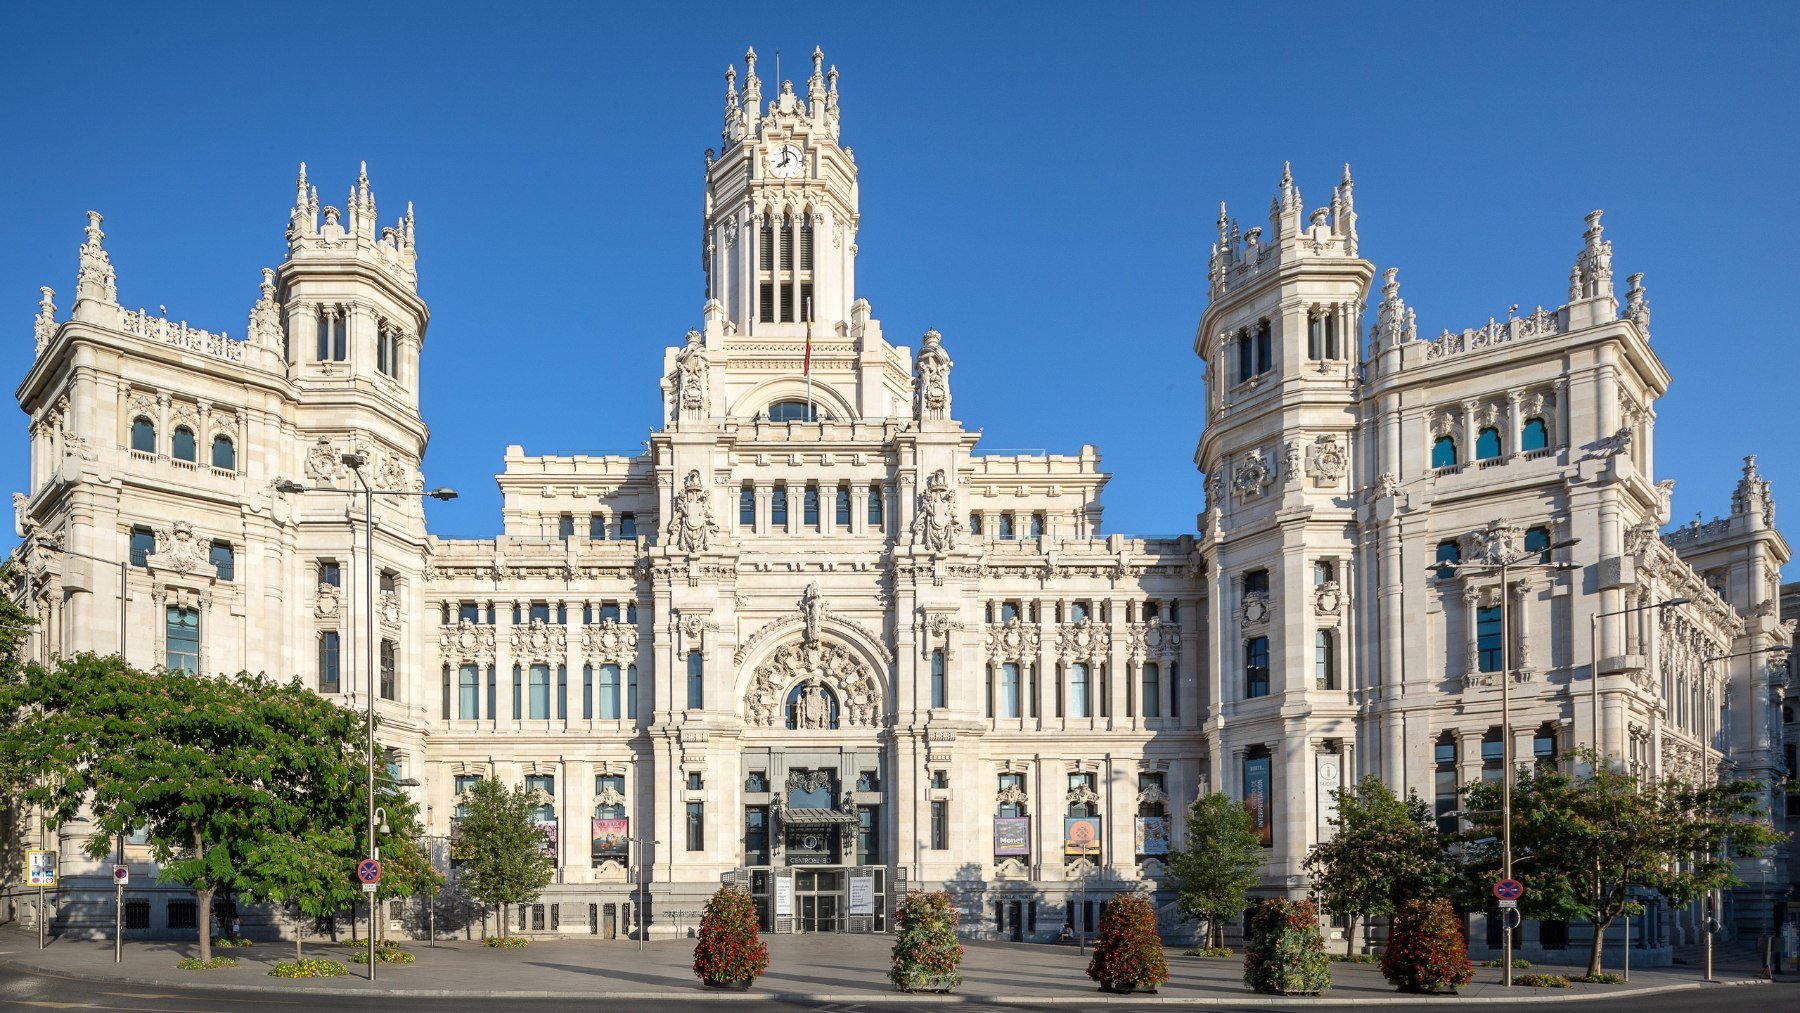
{"x": 819, "y": 896}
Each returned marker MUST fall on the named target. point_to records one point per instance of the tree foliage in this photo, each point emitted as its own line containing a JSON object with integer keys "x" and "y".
{"x": 1128, "y": 952}
{"x": 727, "y": 950}
{"x": 1580, "y": 843}
{"x": 926, "y": 953}
{"x": 240, "y": 784}
{"x": 1219, "y": 862}
{"x": 501, "y": 848}
{"x": 1283, "y": 952}
{"x": 1426, "y": 951}
{"x": 1386, "y": 851}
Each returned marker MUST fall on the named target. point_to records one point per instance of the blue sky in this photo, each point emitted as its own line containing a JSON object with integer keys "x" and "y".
{"x": 1038, "y": 183}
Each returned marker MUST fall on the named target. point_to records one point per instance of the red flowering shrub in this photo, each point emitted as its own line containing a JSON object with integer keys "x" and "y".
{"x": 1426, "y": 951}
{"x": 1284, "y": 954}
{"x": 1127, "y": 952}
{"x": 728, "y": 950}
{"x": 926, "y": 953}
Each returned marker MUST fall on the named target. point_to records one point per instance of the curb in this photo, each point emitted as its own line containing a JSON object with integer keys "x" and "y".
{"x": 698, "y": 993}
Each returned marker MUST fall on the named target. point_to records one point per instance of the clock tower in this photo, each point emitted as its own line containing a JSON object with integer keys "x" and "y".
{"x": 781, "y": 217}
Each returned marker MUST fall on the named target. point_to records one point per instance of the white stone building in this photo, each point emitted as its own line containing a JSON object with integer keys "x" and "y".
{"x": 813, "y": 639}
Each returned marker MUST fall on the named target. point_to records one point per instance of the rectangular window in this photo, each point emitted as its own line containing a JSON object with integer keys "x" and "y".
{"x": 1152, "y": 692}
{"x": 1079, "y": 701}
{"x": 328, "y": 661}
{"x": 587, "y": 692}
{"x": 540, "y": 613}
{"x": 609, "y": 612}
{"x": 696, "y": 826}
{"x": 1009, "y": 690}
{"x": 518, "y": 693}
{"x": 609, "y": 692}
{"x": 868, "y": 835}
{"x": 1256, "y": 582}
{"x": 1487, "y": 638}
{"x": 596, "y": 527}
{"x": 562, "y": 692}
{"x": 1325, "y": 659}
{"x": 1037, "y": 525}
{"x": 1006, "y": 527}
{"x": 540, "y": 692}
{"x": 1174, "y": 689}
{"x": 841, "y": 515}
{"x": 809, "y": 506}
{"x": 143, "y": 546}
{"x": 778, "y": 507}
{"x": 875, "y": 508}
{"x": 183, "y": 631}
{"x": 940, "y": 825}
{"x": 1444, "y": 785}
{"x": 468, "y": 693}
{"x": 766, "y": 300}
{"x": 390, "y": 661}
{"x": 627, "y": 527}
{"x": 631, "y": 692}
{"x": 747, "y": 507}
{"x": 1256, "y": 667}
{"x": 331, "y": 573}
{"x": 565, "y": 526}
{"x": 493, "y": 693}
{"x": 696, "y": 680}
{"x": 939, "y": 692}
{"x": 446, "y": 714}
{"x": 224, "y": 561}
{"x": 1078, "y": 610}
{"x": 183, "y": 914}
{"x": 468, "y": 612}
{"x": 756, "y": 835}
{"x": 137, "y": 914}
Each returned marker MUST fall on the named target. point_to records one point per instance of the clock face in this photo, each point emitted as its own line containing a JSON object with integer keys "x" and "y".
{"x": 786, "y": 161}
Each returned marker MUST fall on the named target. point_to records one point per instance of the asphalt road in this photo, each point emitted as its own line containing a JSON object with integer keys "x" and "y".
{"x": 23, "y": 991}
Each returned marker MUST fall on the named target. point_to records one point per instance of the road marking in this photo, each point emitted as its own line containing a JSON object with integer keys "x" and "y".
{"x": 143, "y": 995}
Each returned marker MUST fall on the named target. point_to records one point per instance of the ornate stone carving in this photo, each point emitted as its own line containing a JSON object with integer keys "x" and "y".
{"x": 688, "y": 382}
{"x": 322, "y": 461}
{"x": 610, "y": 641}
{"x": 1327, "y": 460}
{"x": 44, "y": 327}
{"x": 328, "y": 602}
{"x": 936, "y": 527}
{"x": 931, "y": 380}
{"x": 465, "y": 643}
{"x": 1012, "y": 794}
{"x": 95, "y": 279}
{"x": 1328, "y": 598}
{"x": 1498, "y": 541}
{"x": 937, "y": 627}
{"x": 539, "y": 642}
{"x": 1083, "y": 640}
{"x": 179, "y": 549}
{"x": 1081, "y": 794}
{"x": 1152, "y": 794}
{"x": 1255, "y": 608}
{"x": 1014, "y": 640}
{"x": 609, "y": 796}
{"x": 812, "y": 612}
{"x": 265, "y": 316}
{"x": 1251, "y": 475}
{"x": 1153, "y": 638}
{"x": 821, "y": 665}
{"x": 691, "y": 526}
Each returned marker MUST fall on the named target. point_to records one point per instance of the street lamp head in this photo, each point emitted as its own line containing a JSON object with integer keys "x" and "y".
{"x": 1565, "y": 543}
{"x": 288, "y": 485}
{"x": 445, "y": 493}
{"x": 352, "y": 460}
{"x": 46, "y": 542}
{"x": 1565, "y": 566}
{"x": 1674, "y": 601}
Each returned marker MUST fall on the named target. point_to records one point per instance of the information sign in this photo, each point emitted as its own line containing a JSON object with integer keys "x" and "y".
{"x": 40, "y": 870}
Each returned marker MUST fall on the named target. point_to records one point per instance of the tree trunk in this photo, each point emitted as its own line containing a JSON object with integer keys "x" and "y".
{"x": 299, "y": 931}
{"x": 1596, "y": 945}
{"x": 203, "y": 900}
{"x": 1350, "y": 936}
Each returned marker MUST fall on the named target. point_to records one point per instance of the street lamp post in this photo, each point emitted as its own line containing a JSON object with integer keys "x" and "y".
{"x": 1504, "y": 567}
{"x": 1709, "y": 776}
{"x": 1594, "y": 661}
{"x": 355, "y": 463}
{"x": 642, "y": 871}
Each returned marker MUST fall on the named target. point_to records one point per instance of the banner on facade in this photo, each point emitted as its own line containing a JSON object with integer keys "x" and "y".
{"x": 784, "y": 895}
{"x": 1330, "y": 767}
{"x": 1081, "y": 835}
{"x": 862, "y": 895}
{"x": 1257, "y": 800}
{"x": 1152, "y": 835}
{"x": 610, "y": 835}
{"x": 549, "y": 832}
{"x": 1012, "y": 835}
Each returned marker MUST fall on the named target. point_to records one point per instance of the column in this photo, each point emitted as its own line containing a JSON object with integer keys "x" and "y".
{"x": 1521, "y": 617}
{"x": 765, "y": 495}
{"x": 1471, "y": 599}
{"x": 1513, "y": 424}
{"x": 1466, "y": 444}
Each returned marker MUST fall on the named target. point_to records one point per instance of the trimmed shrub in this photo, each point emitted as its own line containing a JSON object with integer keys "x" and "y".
{"x": 507, "y": 942}
{"x": 1353, "y": 958}
{"x": 1603, "y": 978}
{"x": 1209, "y": 951}
{"x": 196, "y": 964}
{"x": 386, "y": 951}
{"x": 1519, "y": 963}
{"x": 727, "y": 951}
{"x": 1426, "y": 951}
{"x": 308, "y": 967}
{"x": 228, "y": 942}
{"x": 927, "y": 956}
{"x": 1543, "y": 981}
{"x": 1285, "y": 954}
{"x": 1128, "y": 953}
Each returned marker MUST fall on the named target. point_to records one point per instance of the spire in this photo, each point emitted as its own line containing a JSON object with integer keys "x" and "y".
{"x": 265, "y": 316}
{"x": 1637, "y": 304}
{"x": 45, "y": 325}
{"x": 1594, "y": 264}
{"x": 734, "y": 112}
{"x": 1343, "y": 211}
{"x": 1754, "y": 496}
{"x": 1394, "y": 322}
{"x": 1284, "y": 207}
{"x": 95, "y": 279}
{"x": 752, "y": 88}
{"x": 831, "y": 101}
{"x": 815, "y": 85}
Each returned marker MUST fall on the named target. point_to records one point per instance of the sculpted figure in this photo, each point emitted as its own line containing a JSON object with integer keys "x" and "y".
{"x": 932, "y": 380}
{"x": 690, "y": 379}
{"x": 935, "y": 526}
{"x": 691, "y": 525}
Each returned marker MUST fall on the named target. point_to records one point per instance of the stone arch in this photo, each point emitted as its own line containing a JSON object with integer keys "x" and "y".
{"x": 849, "y": 670}
{"x": 826, "y": 400}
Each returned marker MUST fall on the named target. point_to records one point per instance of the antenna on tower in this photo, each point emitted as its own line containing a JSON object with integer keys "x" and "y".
{"x": 778, "y": 67}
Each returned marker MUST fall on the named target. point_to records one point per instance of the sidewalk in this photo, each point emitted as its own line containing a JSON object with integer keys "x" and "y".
{"x": 838, "y": 968}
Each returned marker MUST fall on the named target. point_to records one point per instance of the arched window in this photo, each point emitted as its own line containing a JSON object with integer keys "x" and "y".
{"x": 182, "y": 445}
{"x": 1256, "y": 667}
{"x": 1538, "y": 540}
{"x": 1443, "y": 452}
{"x": 793, "y": 411}
{"x": 143, "y": 435}
{"x": 1448, "y": 551}
{"x": 812, "y": 705}
{"x": 1535, "y": 435}
{"x": 1487, "y": 444}
{"x": 224, "y": 455}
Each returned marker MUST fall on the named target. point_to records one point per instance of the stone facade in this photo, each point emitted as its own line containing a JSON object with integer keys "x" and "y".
{"x": 812, "y": 635}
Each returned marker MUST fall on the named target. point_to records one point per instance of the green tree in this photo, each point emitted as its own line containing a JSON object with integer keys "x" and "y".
{"x": 501, "y": 847}
{"x": 1219, "y": 863}
{"x": 1580, "y": 843}
{"x": 15, "y": 628}
{"x": 215, "y": 772}
{"x": 1386, "y": 851}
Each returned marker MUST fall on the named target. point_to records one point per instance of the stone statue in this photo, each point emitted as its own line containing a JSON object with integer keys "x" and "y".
{"x": 935, "y": 527}
{"x": 931, "y": 384}
{"x": 691, "y": 526}
{"x": 812, "y": 611}
{"x": 689, "y": 379}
